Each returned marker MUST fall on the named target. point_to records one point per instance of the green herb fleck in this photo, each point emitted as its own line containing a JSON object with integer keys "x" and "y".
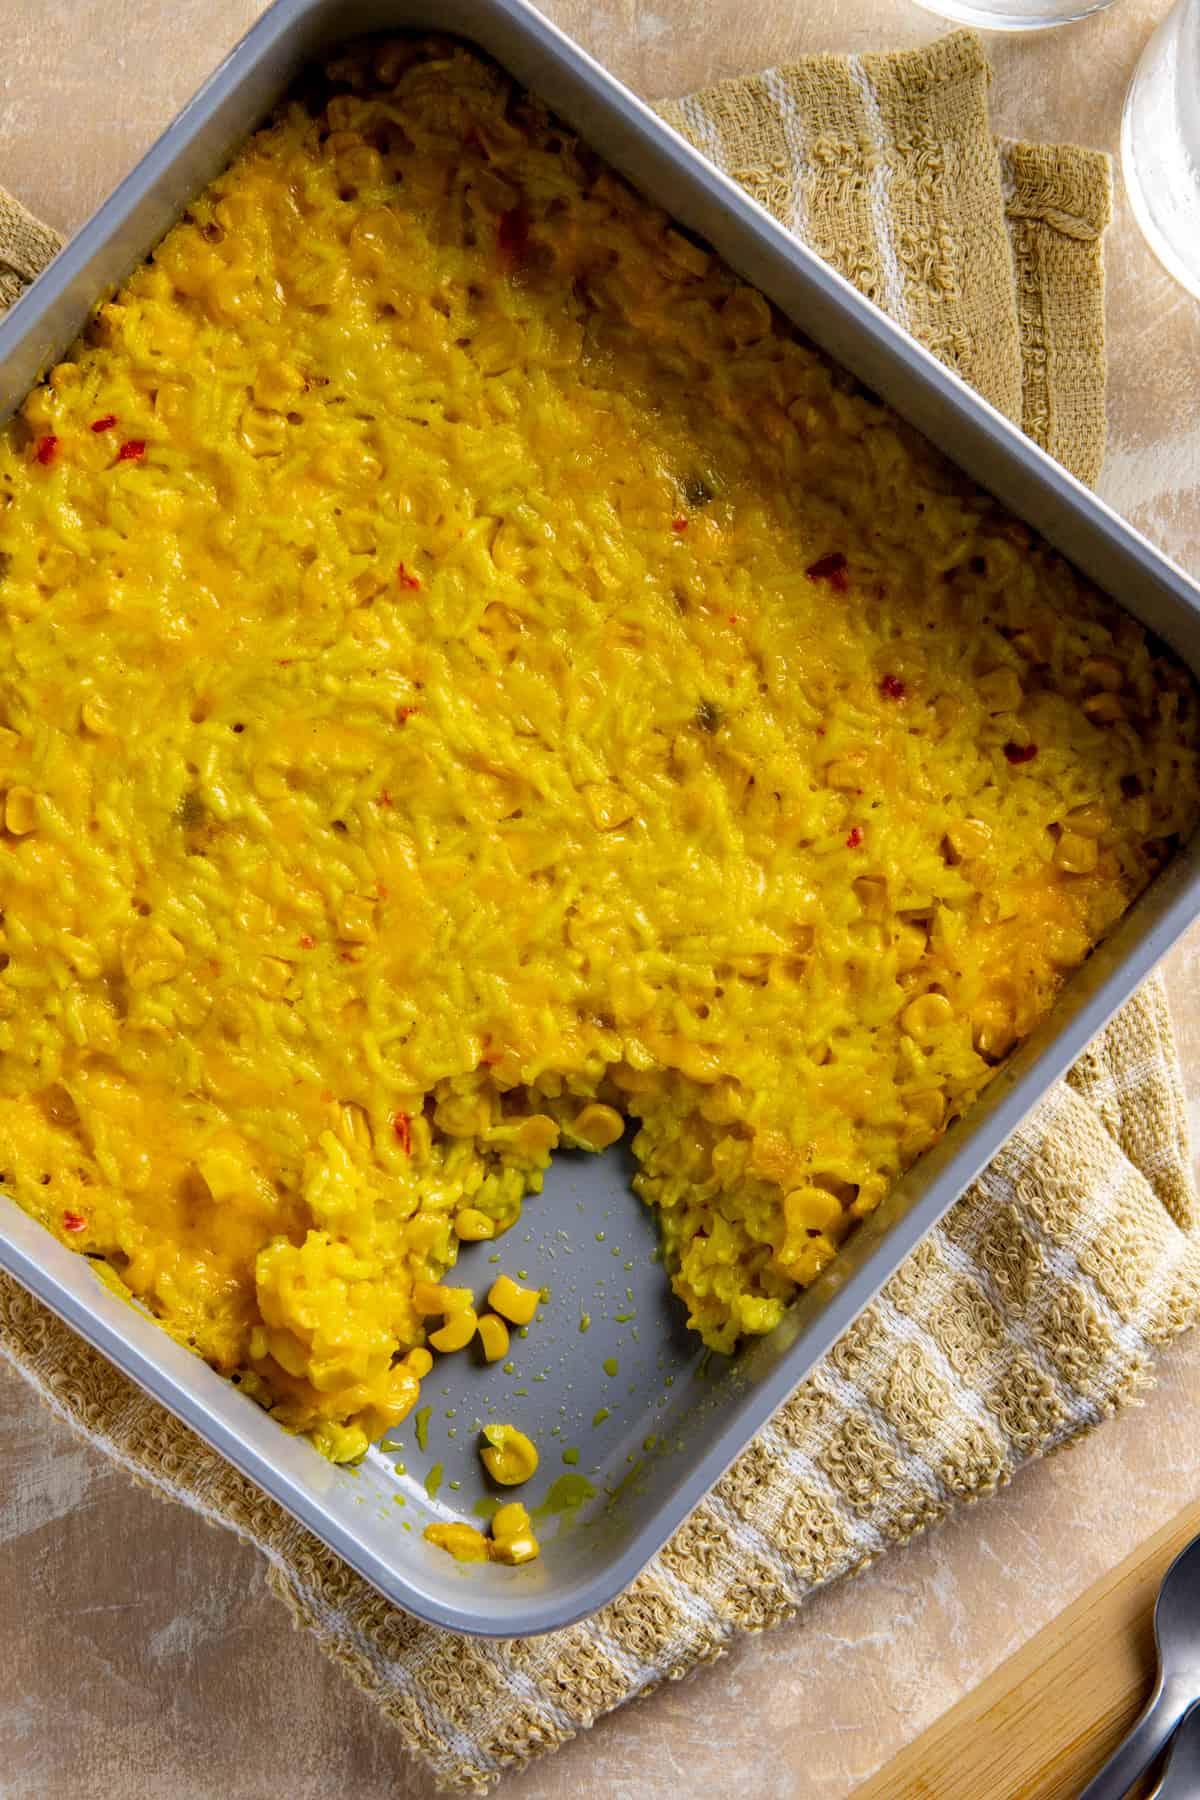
{"x": 571, "y": 1456}
{"x": 568, "y": 1492}
{"x": 599, "y": 1417}
{"x": 433, "y": 1480}
{"x": 610, "y": 1365}
{"x": 422, "y": 1423}
{"x": 585, "y": 1321}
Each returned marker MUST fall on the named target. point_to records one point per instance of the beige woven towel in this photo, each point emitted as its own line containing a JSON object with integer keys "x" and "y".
{"x": 1038, "y": 1306}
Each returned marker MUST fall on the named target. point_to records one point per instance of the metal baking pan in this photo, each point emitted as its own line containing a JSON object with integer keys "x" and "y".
{"x": 654, "y": 1436}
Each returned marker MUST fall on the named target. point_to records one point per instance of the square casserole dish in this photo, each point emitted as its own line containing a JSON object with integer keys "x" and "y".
{"x": 655, "y": 1435}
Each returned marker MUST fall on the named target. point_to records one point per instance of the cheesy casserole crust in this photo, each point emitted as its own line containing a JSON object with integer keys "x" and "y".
{"x": 471, "y": 674}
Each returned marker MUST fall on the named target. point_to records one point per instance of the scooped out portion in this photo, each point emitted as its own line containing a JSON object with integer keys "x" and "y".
{"x": 475, "y": 681}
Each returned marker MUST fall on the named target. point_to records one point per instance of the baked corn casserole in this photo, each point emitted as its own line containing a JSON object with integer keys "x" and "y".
{"x": 472, "y": 677}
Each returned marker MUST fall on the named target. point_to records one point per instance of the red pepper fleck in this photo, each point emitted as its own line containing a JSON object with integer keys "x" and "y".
{"x": 892, "y": 688}
{"x": 45, "y": 450}
{"x": 512, "y": 235}
{"x": 73, "y": 1221}
{"x": 328, "y": 1096}
{"x": 307, "y": 941}
{"x": 1020, "y": 753}
{"x": 679, "y": 524}
{"x": 106, "y": 423}
{"x": 407, "y": 580}
{"x": 402, "y": 1126}
{"x": 132, "y": 450}
{"x": 385, "y": 799}
{"x": 381, "y": 888}
{"x": 733, "y": 618}
{"x": 855, "y": 838}
{"x": 831, "y": 568}
{"x": 403, "y": 715}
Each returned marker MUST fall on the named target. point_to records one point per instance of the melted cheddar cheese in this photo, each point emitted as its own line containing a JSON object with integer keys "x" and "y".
{"x": 472, "y": 674}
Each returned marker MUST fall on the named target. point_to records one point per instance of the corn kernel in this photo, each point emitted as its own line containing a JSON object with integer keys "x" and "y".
{"x": 150, "y": 954}
{"x": 845, "y": 772}
{"x": 608, "y": 805}
{"x": 1090, "y": 821}
{"x": 598, "y": 1126}
{"x": 926, "y": 1109}
{"x": 969, "y": 837}
{"x": 431, "y": 1297}
{"x": 419, "y": 1361}
{"x": 512, "y": 1535}
{"x": 20, "y": 811}
{"x": 356, "y": 922}
{"x": 1000, "y": 690}
{"x": 456, "y": 1333}
{"x": 463, "y": 1115}
{"x": 493, "y": 1336}
{"x": 518, "y": 1547}
{"x": 263, "y": 433}
{"x": 803, "y": 1262}
{"x": 1076, "y": 853}
{"x": 1065, "y": 945}
{"x": 911, "y": 941}
{"x": 509, "y": 1519}
{"x": 1103, "y": 672}
{"x": 1104, "y": 708}
{"x": 516, "y": 1304}
{"x": 811, "y": 1209}
{"x": 360, "y": 165}
{"x": 926, "y": 1016}
{"x": 871, "y": 893}
{"x": 277, "y": 385}
{"x": 462, "y": 1541}
{"x": 993, "y": 1031}
{"x": 510, "y": 1457}
{"x": 473, "y": 1226}
{"x": 869, "y": 1196}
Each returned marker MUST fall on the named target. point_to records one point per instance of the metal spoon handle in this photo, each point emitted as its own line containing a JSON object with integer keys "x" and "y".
{"x": 1181, "y": 1777}
{"x": 1142, "y": 1743}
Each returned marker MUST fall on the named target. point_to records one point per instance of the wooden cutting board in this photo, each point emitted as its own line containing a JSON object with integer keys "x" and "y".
{"x": 1045, "y": 1721}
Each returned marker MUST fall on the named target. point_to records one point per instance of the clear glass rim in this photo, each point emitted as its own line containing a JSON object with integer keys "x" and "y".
{"x": 983, "y": 19}
{"x": 1162, "y": 247}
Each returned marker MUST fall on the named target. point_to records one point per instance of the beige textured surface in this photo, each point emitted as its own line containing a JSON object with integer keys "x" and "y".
{"x": 842, "y": 1751}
